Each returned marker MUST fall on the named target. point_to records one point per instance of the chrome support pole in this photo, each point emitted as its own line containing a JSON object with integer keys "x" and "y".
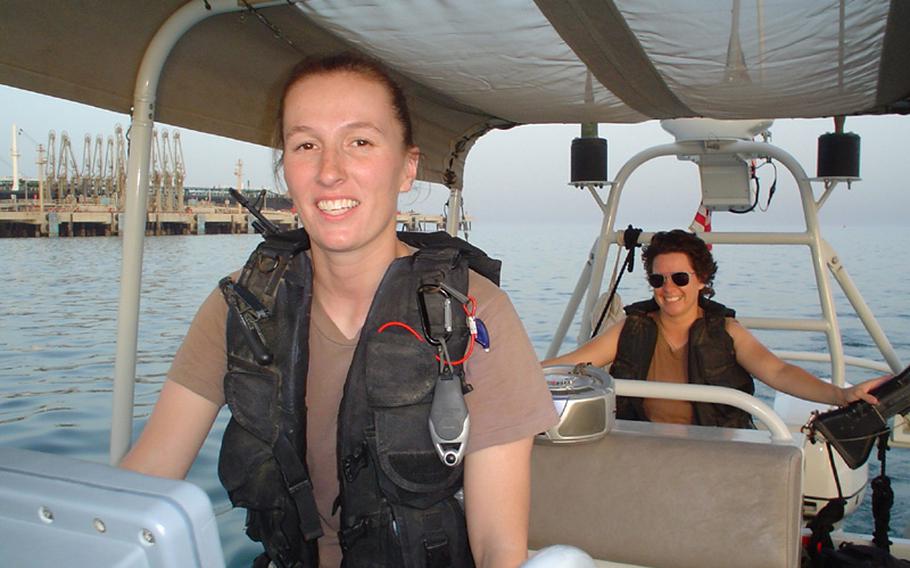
{"x": 453, "y": 219}
{"x": 826, "y": 358}
{"x": 829, "y": 189}
{"x": 584, "y": 279}
{"x": 598, "y": 265}
{"x": 137, "y": 179}
{"x": 839, "y": 271}
{"x": 609, "y": 221}
{"x": 708, "y": 393}
{"x": 826, "y": 299}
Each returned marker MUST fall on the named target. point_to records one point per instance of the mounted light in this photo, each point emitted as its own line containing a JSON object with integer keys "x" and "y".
{"x": 838, "y": 153}
{"x": 589, "y": 162}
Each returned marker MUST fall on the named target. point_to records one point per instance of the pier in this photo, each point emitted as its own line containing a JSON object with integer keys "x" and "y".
{"x": 67, "y": 200}
{"x": 414, "y": 221}
{"x": 99, "y": 220}
{"x": 99, "y": 217}
{"x": 27, "y": 213}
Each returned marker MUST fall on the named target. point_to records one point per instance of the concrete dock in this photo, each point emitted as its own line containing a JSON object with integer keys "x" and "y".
{"x": 28, "y": 218}
{"x": 84, "y": 220}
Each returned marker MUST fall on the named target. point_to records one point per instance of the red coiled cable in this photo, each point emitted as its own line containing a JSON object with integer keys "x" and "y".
{"x": 470, "y": 313}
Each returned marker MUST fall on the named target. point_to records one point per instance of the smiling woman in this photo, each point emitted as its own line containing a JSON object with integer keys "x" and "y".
{"x": 346, "y": 157}
{"x": 336, "y": 445}
{"x": 681, "y": 336}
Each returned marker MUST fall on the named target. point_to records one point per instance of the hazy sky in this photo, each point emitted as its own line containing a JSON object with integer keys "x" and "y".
{"x": 522, "y": 174}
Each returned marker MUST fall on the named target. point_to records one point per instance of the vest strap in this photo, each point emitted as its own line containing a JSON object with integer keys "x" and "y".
{"x": 436, "y": 543}
{"x": 351, "y": 465}
{"x": 347, "y": 537}
{"x": 437, "y": 551}
{"x": 299, "y": 486}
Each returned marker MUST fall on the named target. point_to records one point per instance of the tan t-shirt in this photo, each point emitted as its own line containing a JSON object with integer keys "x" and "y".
{"x": 510, "y": 400}
{"x": 668, "y": 366}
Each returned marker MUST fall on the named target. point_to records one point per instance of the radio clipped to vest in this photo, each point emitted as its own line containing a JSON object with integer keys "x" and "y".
{"x": 449, "y": 419}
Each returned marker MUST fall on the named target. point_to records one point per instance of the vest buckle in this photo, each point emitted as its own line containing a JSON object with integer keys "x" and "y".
{"x": 352, "y": 465}
{"x": 436, "y": 547}
{"x": 347, "y": 537}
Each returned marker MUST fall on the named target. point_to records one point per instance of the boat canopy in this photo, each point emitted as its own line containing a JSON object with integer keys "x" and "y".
{"x": 469, "y": 67}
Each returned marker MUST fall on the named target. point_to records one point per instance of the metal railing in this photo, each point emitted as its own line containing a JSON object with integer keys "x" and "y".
{"x": 708, "y": 393}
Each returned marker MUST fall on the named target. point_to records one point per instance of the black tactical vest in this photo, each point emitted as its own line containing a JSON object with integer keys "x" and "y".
{"x": 397, "y": 497}
{"x": 712, "y": 361}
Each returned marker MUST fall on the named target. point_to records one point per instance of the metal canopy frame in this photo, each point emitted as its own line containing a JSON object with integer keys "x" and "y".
{"x": 824, "y": 259}
{"x": 137, "y": 181}
{"x": 143, "y": 117}
{"x": 136, "y": 196}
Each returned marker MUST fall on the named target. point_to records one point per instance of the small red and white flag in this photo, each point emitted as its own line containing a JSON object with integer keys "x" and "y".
{"x": 702, "y": 221}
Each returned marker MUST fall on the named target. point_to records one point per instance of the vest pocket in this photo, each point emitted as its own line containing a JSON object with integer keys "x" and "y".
{"x": 245, "y": 465}
{"x": 250, "y": 397}
{"x": 410, "y": 463}
{"x": 400, "y": 370}
{"x": 718, "y": 366}
{"x": 399, "y": 395}
{"x": 248, "y": 471}
{"x": 433, "y": 536}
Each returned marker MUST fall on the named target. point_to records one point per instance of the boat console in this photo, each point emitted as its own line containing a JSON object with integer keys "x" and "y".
{"x": 59, "y": 511}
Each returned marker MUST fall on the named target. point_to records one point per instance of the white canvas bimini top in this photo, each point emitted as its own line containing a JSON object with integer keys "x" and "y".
{"x": 471, "y": 66}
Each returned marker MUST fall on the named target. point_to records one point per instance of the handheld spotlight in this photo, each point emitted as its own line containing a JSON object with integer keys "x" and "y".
{"x": 852, "y": 429}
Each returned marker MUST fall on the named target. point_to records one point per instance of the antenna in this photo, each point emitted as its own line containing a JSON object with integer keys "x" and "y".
{"x": 14, "y": 154}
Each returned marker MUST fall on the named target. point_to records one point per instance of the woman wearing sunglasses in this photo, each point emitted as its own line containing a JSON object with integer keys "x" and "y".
{"x": 680, "y": 335}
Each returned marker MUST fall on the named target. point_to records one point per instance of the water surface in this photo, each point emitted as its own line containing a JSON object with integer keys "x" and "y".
{"x": 58, "y": 300}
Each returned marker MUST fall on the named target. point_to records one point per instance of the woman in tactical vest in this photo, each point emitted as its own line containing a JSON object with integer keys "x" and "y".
{"x": 681, "y": 336}
{"x": 360, "y": 405}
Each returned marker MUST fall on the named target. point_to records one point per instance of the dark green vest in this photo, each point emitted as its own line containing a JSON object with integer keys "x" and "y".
{"x": 712, "y": 361}
{"x": 397, "y": 498}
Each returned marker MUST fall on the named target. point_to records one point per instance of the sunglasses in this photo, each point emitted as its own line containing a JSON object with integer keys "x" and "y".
{"x": 679, "y": 278}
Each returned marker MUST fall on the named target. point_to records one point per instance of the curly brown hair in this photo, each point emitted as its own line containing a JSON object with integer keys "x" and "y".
{"x": 689, "y": 244}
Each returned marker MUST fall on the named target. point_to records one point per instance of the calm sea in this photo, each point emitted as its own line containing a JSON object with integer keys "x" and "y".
{"x": 58, "y": 303}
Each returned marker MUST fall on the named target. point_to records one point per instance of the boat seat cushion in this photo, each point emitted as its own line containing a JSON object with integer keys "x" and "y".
{"x": 662, "y": 495}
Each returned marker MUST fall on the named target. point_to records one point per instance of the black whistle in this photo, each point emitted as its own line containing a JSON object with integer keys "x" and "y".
{"x": 260, "y": 352}
{"x": 248, "y": 310}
